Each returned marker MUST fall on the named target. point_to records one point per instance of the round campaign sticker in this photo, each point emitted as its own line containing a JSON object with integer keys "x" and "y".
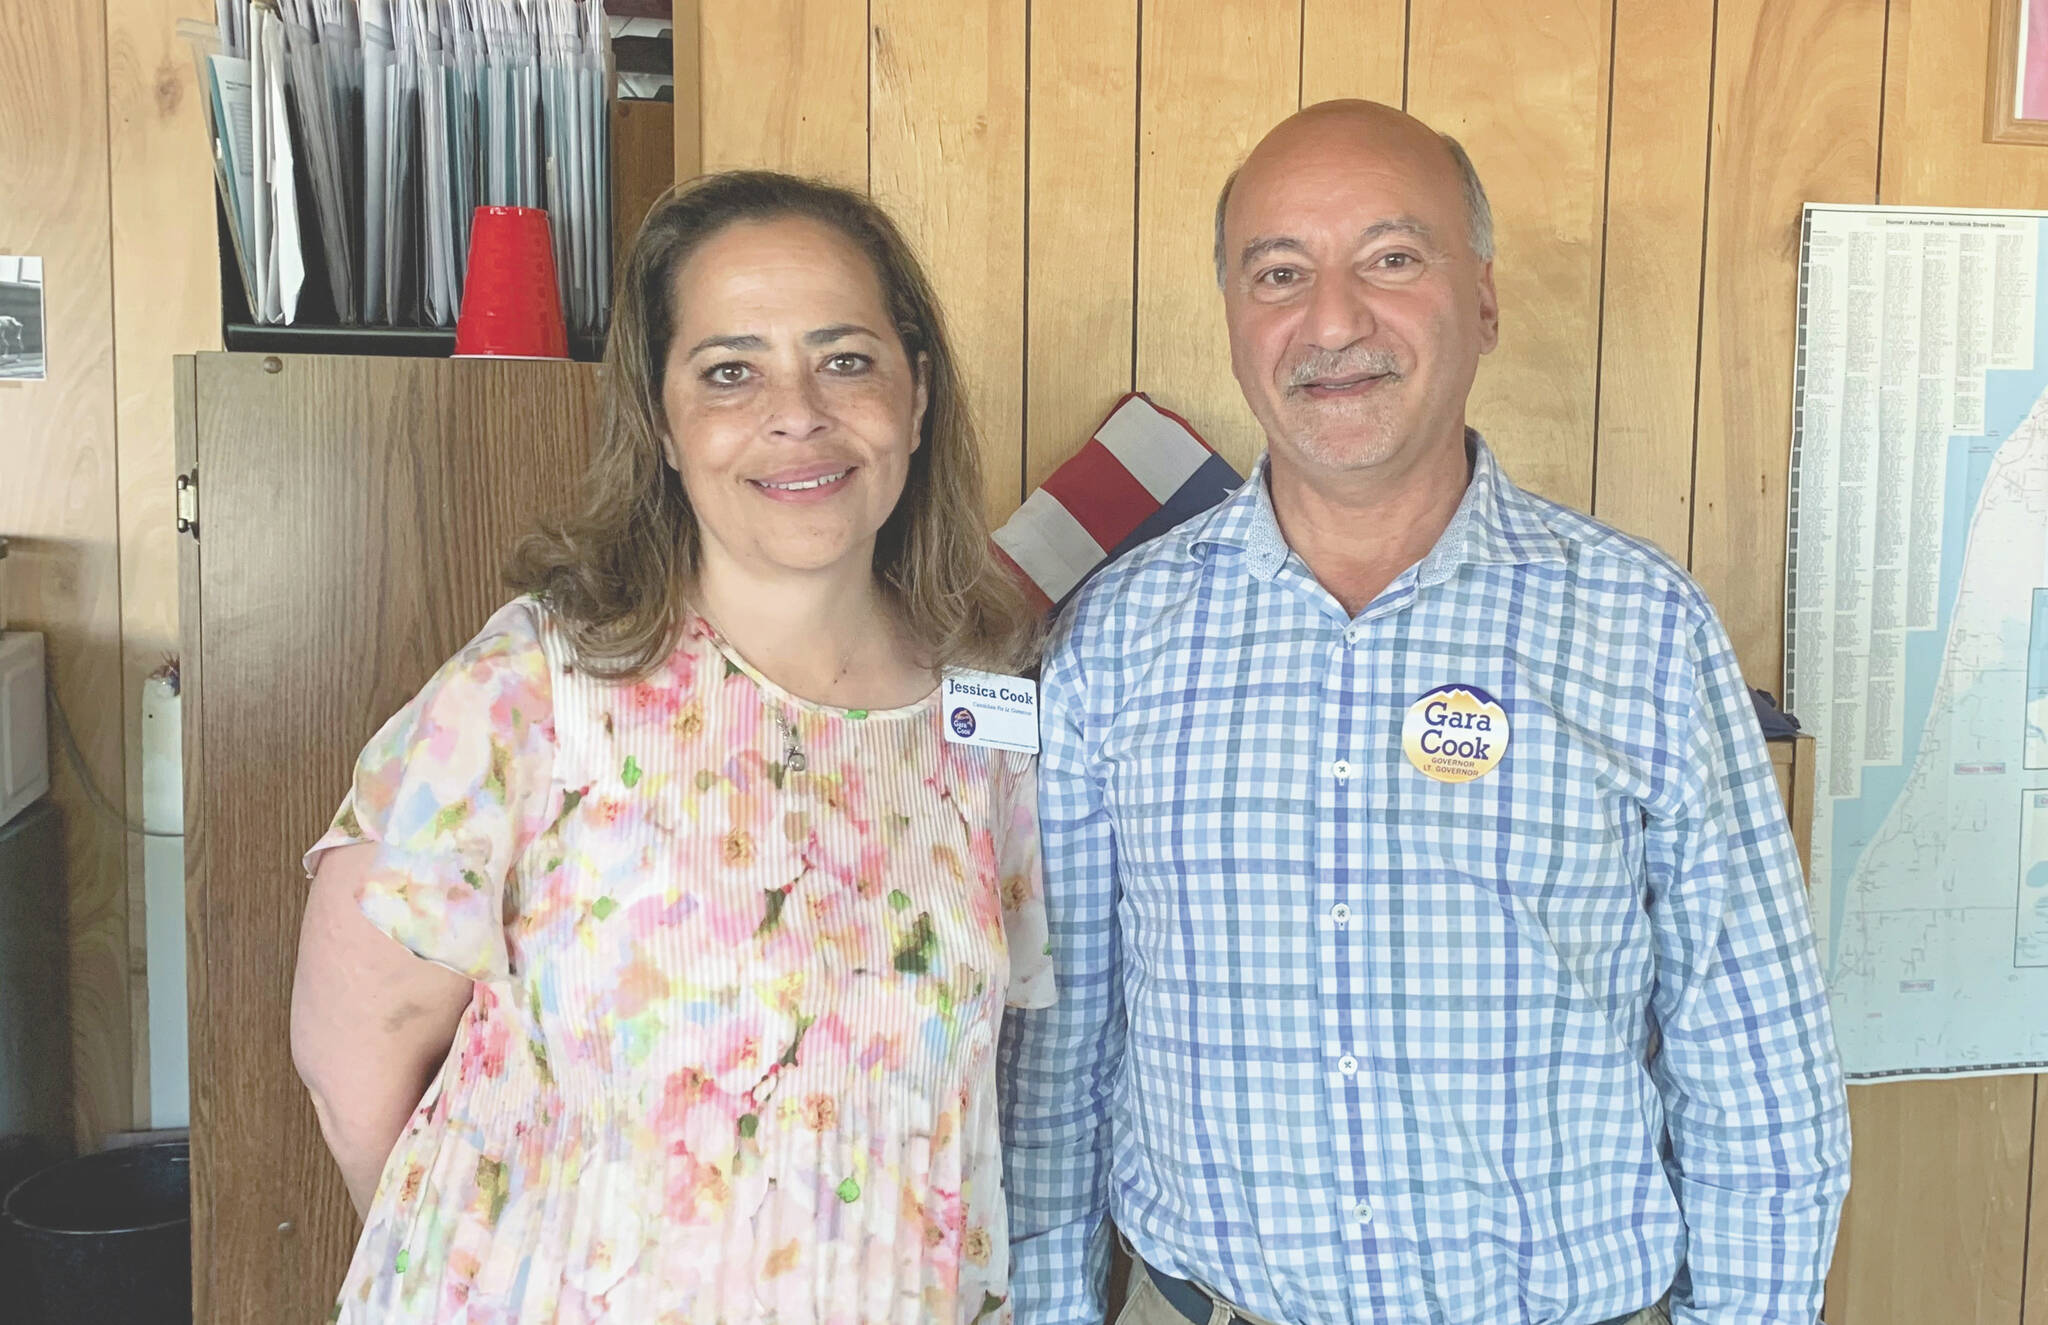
{"x": 963, "y": 723}
{"x": 1455, "y": 733}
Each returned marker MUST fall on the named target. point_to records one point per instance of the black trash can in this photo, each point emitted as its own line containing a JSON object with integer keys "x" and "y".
{"x": 20, "y": 1156}
{"x": 107, "y": 1238}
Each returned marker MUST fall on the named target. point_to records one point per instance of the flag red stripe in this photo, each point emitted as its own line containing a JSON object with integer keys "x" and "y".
{"x": 1101, "y": 494}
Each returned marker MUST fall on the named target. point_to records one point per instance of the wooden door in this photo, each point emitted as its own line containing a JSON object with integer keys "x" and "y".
{"x": 354, "y": 517}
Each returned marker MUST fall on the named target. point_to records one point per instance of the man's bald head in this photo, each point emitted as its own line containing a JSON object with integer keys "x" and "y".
{"x": 1368, "y": 126}
{"x": 1358, "y": 292}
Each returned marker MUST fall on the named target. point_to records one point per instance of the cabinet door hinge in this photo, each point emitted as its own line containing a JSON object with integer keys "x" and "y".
{"x": 188, "y": 503}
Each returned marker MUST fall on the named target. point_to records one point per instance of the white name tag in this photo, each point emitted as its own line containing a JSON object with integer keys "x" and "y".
{"x": 981, "y": 708}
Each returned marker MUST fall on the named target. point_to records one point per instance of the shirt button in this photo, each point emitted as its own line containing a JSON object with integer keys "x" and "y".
{"x": 1362, "y": 1213}
{"x": 1348, "y": 1065}
{"x": 1352, "y": 634}
{"x": 1341, "y": 912}
{"x": 1342, "y": 769}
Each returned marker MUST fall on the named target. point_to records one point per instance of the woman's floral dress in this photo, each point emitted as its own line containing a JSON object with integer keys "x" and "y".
{"x": 740, "y": 965}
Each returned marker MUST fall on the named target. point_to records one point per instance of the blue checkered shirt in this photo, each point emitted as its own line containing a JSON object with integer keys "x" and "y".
{"x": 1344, "y": 1043}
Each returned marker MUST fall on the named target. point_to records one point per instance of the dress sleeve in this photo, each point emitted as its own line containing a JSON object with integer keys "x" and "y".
{"x": 452, "y": 790}
{"x": 1015, "y": 812}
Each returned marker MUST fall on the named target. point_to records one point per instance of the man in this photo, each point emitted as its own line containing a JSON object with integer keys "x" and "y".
{"x": 1431, "y": 944}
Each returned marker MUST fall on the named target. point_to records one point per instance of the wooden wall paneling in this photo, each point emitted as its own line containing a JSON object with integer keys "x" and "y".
{"x": 1907, "y": 1255}
{"x": 1650, "y": 302}
{"x": 317, "y": 624}
{"x": 686, "y": 30}
{"x": 1079, "y": 223}
{"x": 1354, "y": 48}
{"x": 643, "y": 166}
{"x": 58, "y": 503}
{"x": 1081, "y": 268}
{"x": 785, "y": 87}
{"x": 946, "y": 157}
{"x": 1796, "y": 95}
{"x": 166, "y": 287}
{"x": 2034, "y": 1306}
{"x": 1525, "y": 89}
{"x": 1212, "y": 79}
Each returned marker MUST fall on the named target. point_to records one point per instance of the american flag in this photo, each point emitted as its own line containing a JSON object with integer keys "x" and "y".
{"x": 1143, "y": 472}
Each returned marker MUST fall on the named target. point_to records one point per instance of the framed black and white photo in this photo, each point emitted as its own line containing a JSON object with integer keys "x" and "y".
{"x": 21, "y": 319}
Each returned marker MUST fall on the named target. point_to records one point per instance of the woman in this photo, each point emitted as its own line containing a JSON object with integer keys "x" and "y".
{"x": 703, "y": 928}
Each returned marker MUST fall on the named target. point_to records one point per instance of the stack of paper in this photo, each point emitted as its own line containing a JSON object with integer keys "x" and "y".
{"x": 353, "y": 139}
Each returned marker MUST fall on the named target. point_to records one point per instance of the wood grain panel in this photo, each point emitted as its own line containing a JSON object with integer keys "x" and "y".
{"x": 1650, "y": 305}
{"x": 643, "y": 166}
{"x": 336, "y": 575}
{"x": 1354, "y": 48}
{"x": 271, "y": 1226}
{"x": 1907, "y": 1257}
{"x": 166, "y": 302}
{"x": 2034, "y": 1307}
{"x": 1525, "y": 89}
{"x": 1795, "y": 120}
{"x": 686, "y": 30}
{"x": 785, "y": 87}
{"x": 59, "y": 499}
{"x": 1080, "y": 223}
{"x": 946, "y": 154}
{"x": 1213, "y": 79}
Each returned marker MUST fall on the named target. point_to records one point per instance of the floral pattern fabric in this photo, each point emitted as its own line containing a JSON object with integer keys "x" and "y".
{"x": 740, "y": 966}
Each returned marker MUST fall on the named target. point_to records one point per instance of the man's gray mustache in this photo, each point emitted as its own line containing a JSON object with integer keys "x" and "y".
{"x": 1356, "y": 363}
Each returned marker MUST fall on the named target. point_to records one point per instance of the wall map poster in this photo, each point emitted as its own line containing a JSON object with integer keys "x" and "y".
{"x": 1917, "y": 630}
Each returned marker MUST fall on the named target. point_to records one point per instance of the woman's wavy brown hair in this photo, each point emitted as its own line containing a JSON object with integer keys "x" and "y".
{"x": 618, "y": 571}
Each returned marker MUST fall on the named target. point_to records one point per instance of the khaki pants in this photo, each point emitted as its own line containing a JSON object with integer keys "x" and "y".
{"x": 1144, "y": 1305}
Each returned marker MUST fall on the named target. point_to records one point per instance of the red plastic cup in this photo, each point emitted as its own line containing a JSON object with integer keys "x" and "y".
{"x": 511, "y": 307}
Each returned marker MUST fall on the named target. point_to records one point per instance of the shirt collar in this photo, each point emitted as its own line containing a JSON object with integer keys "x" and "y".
{"x": 1496, "y": 523}
{"x": 1245, "y": 521}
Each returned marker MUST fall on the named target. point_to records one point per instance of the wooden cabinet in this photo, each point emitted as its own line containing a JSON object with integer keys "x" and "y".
{"x": 353, "y": 518}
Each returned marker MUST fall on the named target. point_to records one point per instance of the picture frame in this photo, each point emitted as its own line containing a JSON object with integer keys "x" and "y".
{"x": 2016, "y": 108}
{"x": 21, "y": 320}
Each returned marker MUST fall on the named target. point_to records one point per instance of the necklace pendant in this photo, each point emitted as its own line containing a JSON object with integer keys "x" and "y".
{"x": 793, "y": 760}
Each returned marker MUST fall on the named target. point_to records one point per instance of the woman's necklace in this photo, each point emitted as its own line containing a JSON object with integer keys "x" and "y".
{"x": 793, "y": 760}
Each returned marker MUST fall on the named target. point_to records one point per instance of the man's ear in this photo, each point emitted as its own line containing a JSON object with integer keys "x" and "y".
{"x": 1489, "y": 311}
